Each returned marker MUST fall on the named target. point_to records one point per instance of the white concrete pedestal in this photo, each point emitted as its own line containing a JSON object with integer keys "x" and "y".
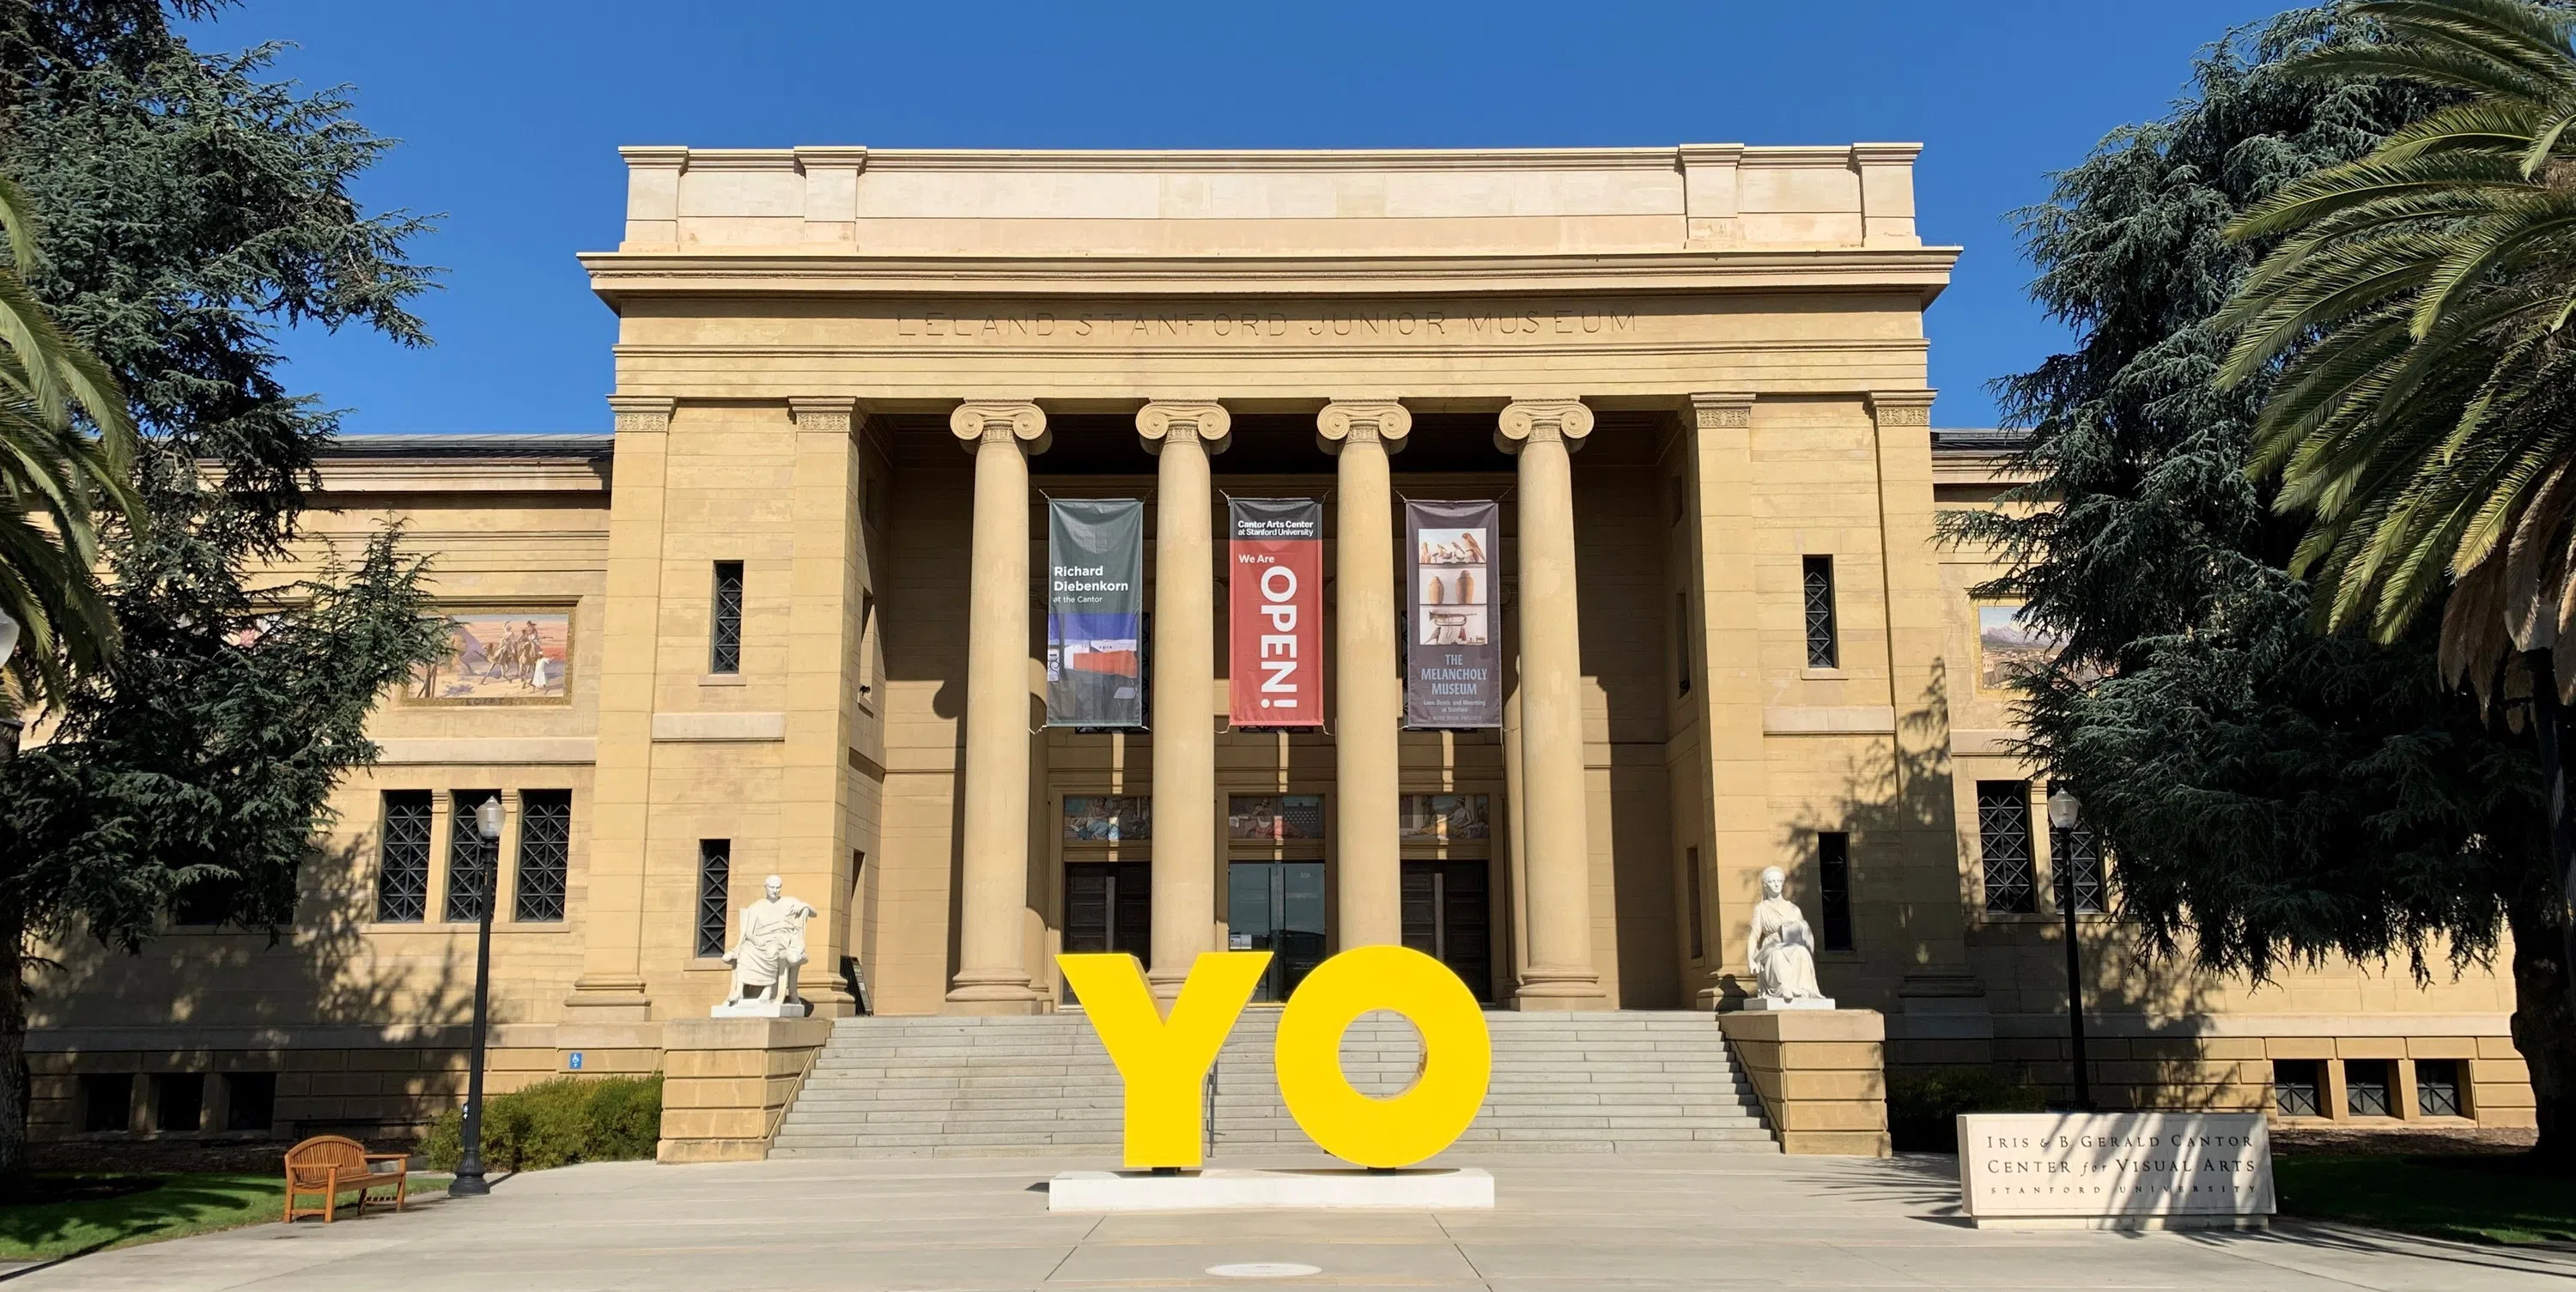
{"x": 1757, "y": 1004}
{"x": 756, "y": 1008}
{"x": 1417, "y": 1189}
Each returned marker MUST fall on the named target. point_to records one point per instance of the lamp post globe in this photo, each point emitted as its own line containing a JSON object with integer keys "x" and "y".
{"x": 2065, "y": 813}
{"x": 469, "y": 1182}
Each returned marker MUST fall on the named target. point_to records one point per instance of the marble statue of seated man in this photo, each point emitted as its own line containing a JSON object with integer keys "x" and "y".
{"x": 771, "y": 948}
{"x": 1782, "y": 951}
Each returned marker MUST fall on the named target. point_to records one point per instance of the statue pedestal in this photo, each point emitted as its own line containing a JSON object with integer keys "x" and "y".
{"x": 1322, "y": 1189}
{"x": 762, "y": 1009}
{"x": 1756, "y": 1003}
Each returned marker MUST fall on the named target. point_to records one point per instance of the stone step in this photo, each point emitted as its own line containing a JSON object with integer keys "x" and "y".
{"x": 946, "y": 1087}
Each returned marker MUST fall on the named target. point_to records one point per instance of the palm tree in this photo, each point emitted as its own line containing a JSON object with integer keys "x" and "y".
{"x": 2424, "y": 408}
{"x": 54, "y": 472}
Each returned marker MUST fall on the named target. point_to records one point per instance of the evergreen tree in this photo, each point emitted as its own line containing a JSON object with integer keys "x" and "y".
{"x": 2271, "y": 796}
{"x": 192, "y": 207}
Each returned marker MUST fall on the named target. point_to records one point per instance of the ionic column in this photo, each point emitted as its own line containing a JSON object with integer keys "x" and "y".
{"x": 1369, "y": 693}
{"x": 991, "y": 977}
{"x": 1560, "y": 974}
{"x": 1182, "y": 436}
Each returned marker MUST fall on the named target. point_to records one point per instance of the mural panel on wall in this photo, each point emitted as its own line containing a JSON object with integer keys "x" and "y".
{"x": 500, "y": 657}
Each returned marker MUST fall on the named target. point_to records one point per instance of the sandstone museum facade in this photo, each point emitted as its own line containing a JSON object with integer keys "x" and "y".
{"x": 1607, "y": 487}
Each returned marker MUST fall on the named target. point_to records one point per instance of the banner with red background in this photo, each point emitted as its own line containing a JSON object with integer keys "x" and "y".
{"x": 1275, "y": 611}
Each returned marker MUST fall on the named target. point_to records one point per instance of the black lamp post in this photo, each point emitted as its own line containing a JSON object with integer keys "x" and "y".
{"x": 469, "y": 1181}
{"x": 2065, "y": 812}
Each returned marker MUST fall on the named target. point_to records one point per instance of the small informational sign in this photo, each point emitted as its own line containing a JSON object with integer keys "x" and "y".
{"x": 2174, "y": 1170}
{"x": 1275, "y": 582}
{"x": 575, "y": 1062}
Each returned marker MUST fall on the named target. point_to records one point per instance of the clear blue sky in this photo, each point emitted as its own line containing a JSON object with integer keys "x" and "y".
{"x": 510, "y": 116}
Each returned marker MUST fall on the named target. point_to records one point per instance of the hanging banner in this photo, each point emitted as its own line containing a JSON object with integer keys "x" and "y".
{"x": 1275, "y": 600}
{"x": 1452, "y": 662}
{"x": 1095, "y": 612}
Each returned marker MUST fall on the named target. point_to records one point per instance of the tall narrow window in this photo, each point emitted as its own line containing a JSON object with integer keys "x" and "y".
{"x": 724, "y": 645}
{"x": 1823, "y": 651}
{"x": 2003, "y": 843}
{"x": 1698, "y": 921}
{"x": 402, "y": 869}
{"x": 2075, "y": 856}
{"x": 545, "y": 855}
{"x": 715, "y": 894}
{"x": 1682, "y": 641}
{"x": 472, "y": 860}
{"x": 1833, "y": 888}
{"x": 869, "y": 663}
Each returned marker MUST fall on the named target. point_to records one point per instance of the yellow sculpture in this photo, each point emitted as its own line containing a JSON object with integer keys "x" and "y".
{"x": 1163, "y": 1061}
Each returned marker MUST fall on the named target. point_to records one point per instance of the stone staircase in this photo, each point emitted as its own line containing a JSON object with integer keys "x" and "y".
{"x": 1638, "y": 1082}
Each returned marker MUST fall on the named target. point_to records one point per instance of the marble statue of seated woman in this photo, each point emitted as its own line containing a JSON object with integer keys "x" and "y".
{"x": 1782, "y": 951}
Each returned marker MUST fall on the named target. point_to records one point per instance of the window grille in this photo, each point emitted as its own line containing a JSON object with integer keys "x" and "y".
{"x": 1833, "y": 875}
{"x": 1682, "y": 640}
{"x": 1823, "y": 648}
{"x": 724, "y": 648}
{"x": 715, "y": 894}
{"x": 1698, "y": 920}
{"x": 2437, "y": 1088}
{"x": 402, "y": 870}
{"x": 2366, "y": 1085}
{"x": 2076, "y": 856}
{"x": 545, "y": 855}
{"x": 472, "y": 860}
{"x": 2298, "y": 1087}
{"x": 2003, "y": 841}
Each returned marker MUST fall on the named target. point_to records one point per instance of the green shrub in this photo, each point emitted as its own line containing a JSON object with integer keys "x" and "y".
{"x": 1923, "y": 1104}
{"x": 556, "y": 1123}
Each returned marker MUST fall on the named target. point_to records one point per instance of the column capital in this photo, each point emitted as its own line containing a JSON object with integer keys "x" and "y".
{"x": 826, "y": 413}
{"x": 1901, "y": 407}
{"x": 642, "y": 412}
{"x": 1363, "y": 421}
{"x": 1205, "y": 421}
{"x": 1721, "y": 408}
{"x": 992, "y": 421}
{"x": 1541, "y": 421}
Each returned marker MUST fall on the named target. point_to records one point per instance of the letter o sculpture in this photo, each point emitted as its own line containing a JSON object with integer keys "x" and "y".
{"x": 1457, "y": 1056}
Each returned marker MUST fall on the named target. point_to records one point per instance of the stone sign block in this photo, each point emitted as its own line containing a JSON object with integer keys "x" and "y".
{"x": 2173, "y": 1170}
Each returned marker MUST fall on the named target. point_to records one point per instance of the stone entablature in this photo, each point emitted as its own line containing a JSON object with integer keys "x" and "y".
{"x": 957, "y": 202}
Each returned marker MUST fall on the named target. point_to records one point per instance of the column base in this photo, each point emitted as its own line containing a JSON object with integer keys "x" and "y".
{"x": 608, "y": 1000}
{"x": 992, "y": 995}
{"x": 1560, "y": 991}
{"x": 1166, "y": 983}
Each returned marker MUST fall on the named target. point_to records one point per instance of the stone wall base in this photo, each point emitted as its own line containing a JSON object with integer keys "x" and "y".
{"x": 1822, "y": 1076}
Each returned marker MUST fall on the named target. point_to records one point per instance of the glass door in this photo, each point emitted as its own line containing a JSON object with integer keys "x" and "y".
{"x": 1448, "y": 913}
{"x": 1278, "y": 907}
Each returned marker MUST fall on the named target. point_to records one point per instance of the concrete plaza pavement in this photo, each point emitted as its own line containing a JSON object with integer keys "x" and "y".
{"x": 1564, "y": 1222}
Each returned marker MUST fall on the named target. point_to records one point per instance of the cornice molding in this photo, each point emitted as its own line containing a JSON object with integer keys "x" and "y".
{"x": 617, "y": 274}
{"x": 1314, "y": 159}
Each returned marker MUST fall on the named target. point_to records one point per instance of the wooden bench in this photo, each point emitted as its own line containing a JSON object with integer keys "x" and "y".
{"x": 327, "y": 1164}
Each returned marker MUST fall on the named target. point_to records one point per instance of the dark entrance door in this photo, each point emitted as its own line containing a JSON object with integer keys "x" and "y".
{"x": 1108, "y": 906}
{"x": 1278, "y": 907}
{"x": 1448, "y": 916}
